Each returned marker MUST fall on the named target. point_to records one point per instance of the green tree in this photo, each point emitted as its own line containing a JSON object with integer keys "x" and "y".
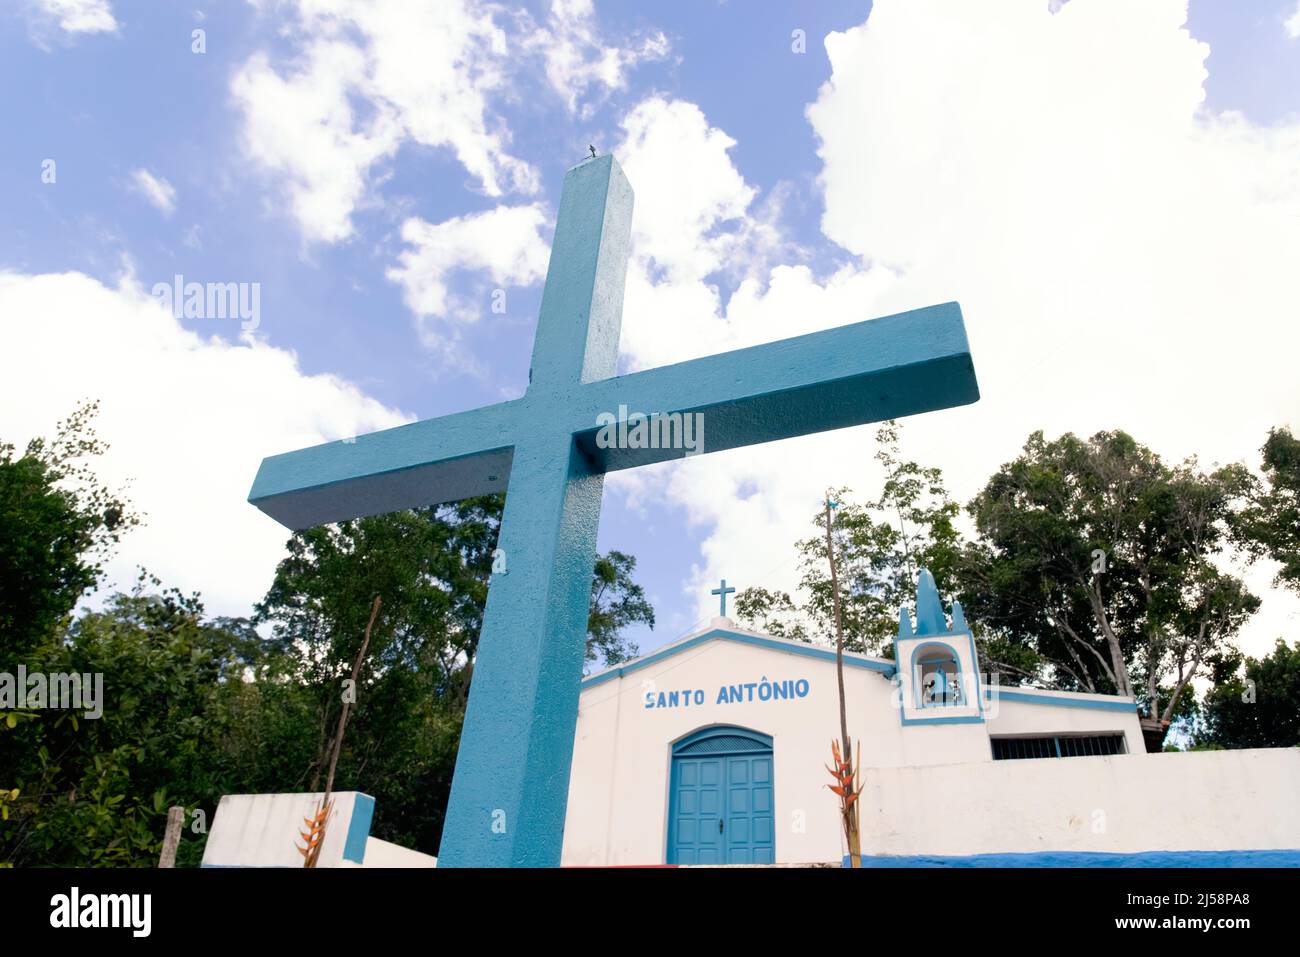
{"x": 1101, "y": 558}
{"x": 432, "y": 567}
{"x": 1270, "y": 526}
{"x": 1255, "y": 706}
{"x": 617, "y": 601}
{"x": 94, "y": 791}
{"x": 197, "y": 708}
{"x": 879, "y": 548}
{"x": 57, "y": 523}
{"x": 772, "y": 612}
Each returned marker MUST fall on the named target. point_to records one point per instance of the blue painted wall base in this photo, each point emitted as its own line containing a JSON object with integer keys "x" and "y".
{"x": 1283, "y": 858}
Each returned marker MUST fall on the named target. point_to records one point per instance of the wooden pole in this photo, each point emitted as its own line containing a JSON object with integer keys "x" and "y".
{"x": 172, "y": 836}
{"x": 850, "y": 810}
{"x": 845, "y": 744}
{"x": 311, "y": 857}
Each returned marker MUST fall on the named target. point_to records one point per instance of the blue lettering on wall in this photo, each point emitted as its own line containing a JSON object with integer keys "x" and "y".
{"x": 762, "y": 691}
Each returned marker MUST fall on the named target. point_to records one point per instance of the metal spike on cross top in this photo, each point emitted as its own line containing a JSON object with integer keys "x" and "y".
{"x": 510, "y": 788}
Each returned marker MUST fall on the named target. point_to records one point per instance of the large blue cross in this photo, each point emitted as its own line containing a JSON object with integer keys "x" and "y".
{"x": 510, "y": 788}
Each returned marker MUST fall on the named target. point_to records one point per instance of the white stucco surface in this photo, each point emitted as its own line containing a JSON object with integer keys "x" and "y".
{"x": 263, "y": 830}
{"x": 387, "y": 854}
{"x": 1129, "y": 803}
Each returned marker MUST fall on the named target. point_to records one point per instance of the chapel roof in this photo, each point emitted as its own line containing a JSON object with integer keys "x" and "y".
{"x": 724, "y": 629}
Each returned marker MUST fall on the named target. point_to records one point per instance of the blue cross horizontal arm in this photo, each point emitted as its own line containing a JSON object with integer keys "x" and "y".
{"x": 865, "y": 372}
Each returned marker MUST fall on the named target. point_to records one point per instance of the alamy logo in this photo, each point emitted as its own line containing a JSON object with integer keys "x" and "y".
{"x": 36, "y": 689}
{"x": 659, "y": 430}
{"x": 212, "y": 300}
{"x": 102, "y": 910}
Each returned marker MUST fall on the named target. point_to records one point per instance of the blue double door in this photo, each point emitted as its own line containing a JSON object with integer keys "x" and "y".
{"x": 721, "y": 801}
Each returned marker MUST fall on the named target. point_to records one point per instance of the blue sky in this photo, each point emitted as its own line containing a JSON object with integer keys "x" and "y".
{"x": 112, "y": 91}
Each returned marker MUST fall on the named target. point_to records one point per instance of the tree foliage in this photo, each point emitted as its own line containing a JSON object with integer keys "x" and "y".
{"x": 95, "y": 791}
{"x": 196, "y": 707}
{"x": 1256, "y": 706}
{"x": 879, "y": 546}
{"x": 1102, "y": 559}
{"x": 617, "y": 601}
{"x": 1270, "y": 526}
{"x": 57, "y": 522}
{"x": 432, "y": 566}
{"x": 1095, "y": 567}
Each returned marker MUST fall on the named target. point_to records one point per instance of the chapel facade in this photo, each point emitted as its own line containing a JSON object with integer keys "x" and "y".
{"x": 713, "y": 750}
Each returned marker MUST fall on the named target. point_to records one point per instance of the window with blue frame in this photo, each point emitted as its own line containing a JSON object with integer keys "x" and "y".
{"x": 938, "y": 677}
{"x": 1058, "y": 746}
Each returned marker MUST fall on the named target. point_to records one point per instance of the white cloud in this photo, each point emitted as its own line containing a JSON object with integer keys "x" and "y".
{"x": 419, "y": 72}
{"x": 1292, "y": 24}
{"x": 1121, "y": 254}
{"x": 79, "y": 16}
{"x": 694, "y": 217}
{"x": 370, "y": 76}
{"x": 576, "y": 56}
{"x": 303, "y": 129}
{"x": 675, "y": 230}
{"x": 505, "y": 244}
{"x": 160, "y": 193}
{"x": 188, "y": 420}
{"x": 1124, "y": 259}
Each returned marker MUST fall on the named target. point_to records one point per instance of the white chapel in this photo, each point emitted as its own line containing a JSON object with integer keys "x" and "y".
{"x": 713, "y": 750}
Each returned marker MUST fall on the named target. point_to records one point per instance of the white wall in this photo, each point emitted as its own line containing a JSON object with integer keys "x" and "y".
{"x": 262, "y": 830}
{"x": 1176, "y": 801}
{"x": 387, "y": 854}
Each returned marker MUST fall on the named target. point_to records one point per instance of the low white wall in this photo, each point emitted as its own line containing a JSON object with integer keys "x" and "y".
{"x": 1175, "y": 801}
{"x": 264, "y": 830}
{"x": 387, "y": 854}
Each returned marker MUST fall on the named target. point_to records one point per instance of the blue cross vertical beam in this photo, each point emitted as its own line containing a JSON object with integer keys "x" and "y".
{"x": 723, "y": 591}
{"x": 510, "y": 786}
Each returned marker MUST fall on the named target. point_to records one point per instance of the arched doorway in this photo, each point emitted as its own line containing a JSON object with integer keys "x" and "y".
{"x": 720, "y": 798}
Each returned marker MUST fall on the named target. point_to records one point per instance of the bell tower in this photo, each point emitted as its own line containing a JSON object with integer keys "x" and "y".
{"x": 937, "y": 667}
